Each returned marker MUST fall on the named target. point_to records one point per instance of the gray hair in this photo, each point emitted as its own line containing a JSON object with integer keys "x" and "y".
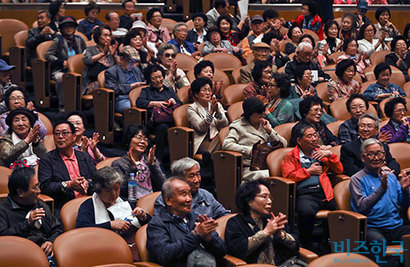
{"x": 369, "y": 142}
{"x": 105, "y": 178}
{"x": 179, "y": 24}
{"x": 179, "y": 167}
{"x": 370, "y": 116}
{"x": 166, "y": 46}
{"x": 168, "y": 188}
{"x": 41, "y": 11}
{"x": 303, "y": 45}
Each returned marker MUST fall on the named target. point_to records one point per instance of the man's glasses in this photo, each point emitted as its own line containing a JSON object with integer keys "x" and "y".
{"x": 64, "y": 134}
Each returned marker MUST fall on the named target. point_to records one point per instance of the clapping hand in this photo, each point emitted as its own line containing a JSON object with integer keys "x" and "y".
{"x": 33, "y": 135}
{"x": 151, "y": 155}
{"x": 384, "y": 136}
{"x": 275, "y": 224}
{"x": 205, "y": 226}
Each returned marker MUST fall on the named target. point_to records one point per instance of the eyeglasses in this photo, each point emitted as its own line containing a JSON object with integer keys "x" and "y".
{"x": 19, "y": 98}
{"x": 140, "y": 138}
{"x": 400, "y": 110}
{"x": 372, "y": 155}
{"x": 170, "y": 55}
{"x": 316, "y": 110}
{"x": 308, "y": 76}
{"x": 368, "y": 126}
{"x": 264, "y": 196}
{"x": 36, "y": 187}
{"x": 206, "y": 90}
{"x": 357, "y": 107}
{"x": 64, "y": 134}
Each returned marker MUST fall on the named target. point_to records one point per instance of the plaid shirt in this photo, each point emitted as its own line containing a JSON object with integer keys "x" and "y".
{"x": 348, "y": 131}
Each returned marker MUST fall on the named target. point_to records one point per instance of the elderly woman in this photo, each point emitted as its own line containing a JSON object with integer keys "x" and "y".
{"x": 249, "y": 130}
{"x": 262, "y": 74}
{"x": 256, "y": 235}
{"x": 107, "y": 210}
{"x": 383, "y": 24}
{"x": 276, "y": 57}
{"x": 156, "y": 98}
{"x": 57, "y": 12}
{"x": 348, "y": 28}
{"x": 135, "y": 38}
{"x": 344, "y": 85}
{"x": 294, "y": 34}
{"x": 367, "y": 42}
{"x": 175, "y": 78}
{"x": 279, "y": 110}
{"x": 350, "y": 47}
{"x": 215, "y": 44}
{"x": 399, "y": 56}
{"x": 156, "y": 33}
{"x": 139, "y": 162}
{"x": 14, "y": 98}
{"x": 21, "y": 146}
{"x": 383, "y": 88}
{"x": 332, "y": 43}
{"x": 398, "y": 125}
{"x": 98, "y": 58}
{"x": 303, "y": 86}
{"x": 224, "y": 24}
{"x": 206, "y": 69}
{"x": 89, "y": 145}
{"x": 197, "y": 34}
{"x": 206, "y": 116}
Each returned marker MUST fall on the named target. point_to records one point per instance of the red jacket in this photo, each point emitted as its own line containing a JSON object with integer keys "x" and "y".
{"x": 316, "y": 20}
{"x": 292, "y": 169}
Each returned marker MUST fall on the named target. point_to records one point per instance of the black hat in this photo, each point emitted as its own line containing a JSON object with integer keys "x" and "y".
{"x": 66, "y": 20}
{"x": 252, "y": 105}
{"x": 25, "y": 111}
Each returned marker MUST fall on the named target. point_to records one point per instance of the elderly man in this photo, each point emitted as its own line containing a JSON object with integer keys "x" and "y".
{"x": 23, "y": 214}
{"x": 203, "y": 202}
{"x": 5, "y": 82}
{"x": 304, "y": 58}
{"x": 221, "y": 7}
{"x": 179, "y": 238}
{"x": 308, "y": 166}
{"x": 180, "y": 42}
{"x": 377, "y": 194}
{"x": 257, "y": 27}
{"x": 64, "y": 172}
{"x": 260, "y": 53}
{"x": 38, "y": 35}
{"x": 113, "y": 21}
{"x": 350, "y": 155}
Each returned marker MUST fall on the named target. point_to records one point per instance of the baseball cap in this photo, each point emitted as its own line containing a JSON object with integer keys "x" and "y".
{"x": 5, "y": 67}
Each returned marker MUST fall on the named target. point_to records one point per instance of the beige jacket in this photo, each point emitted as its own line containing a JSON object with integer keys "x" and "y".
{"x": 197, "y": 119}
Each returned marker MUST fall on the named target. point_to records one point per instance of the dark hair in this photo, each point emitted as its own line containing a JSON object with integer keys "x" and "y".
{"x": 267, "y": 37}
{"x": 126, "y": 1}
{"x": 352, "y": 18}
{"x": 311, "y": 5}
{"x": 283, "y": 82}
{"x": 300, "y": 71}
{"x": 79, "y": 114}
{"x": 31, "y": 116}
{"x": 151, "y": 69}
{"x": 307, "y": 103}
{"x": 258, "y": 69}
{"x": 98, "y": 31}
{"x": 72, "y": 128}
{"x": 151, "y": 12}
{"x": 20, "y": 179}
{"x": 291, "y": 29}
{"x": 310, "y": 38}
{"x": 362, "y": 30}
{"x": 342, "y": 66}
{"x": 329, "y": 24}
{"x": 41, "y": 11}
{"x": 246, "y": 192}
{"x": 353, "y": 97}
{"x": 211, "y": 30}
{"x": 406, "y": 30}
{"x": 299, "y": 129}
{"x": 380, "y": 10}
{"x": 131, "y": 34}
{"x": 391, "y": 104}
{"x": 11, "y": 90}
{"x": 219, "y": 3}
{"x": 225, "y": 17}
{"x": 90, "y": 6}
{"x": 270, "y": 13}
{"x": 381, "y": 67}
{"x": 395, "y": 40}
{"x": 54, "y": 7}
{"x": 198, "y": 84}
{"x": 202, "y": 65}
{"x": 132, "y": 130}
{"x": 346, "y": 43}
{"x": 202, "y": 15}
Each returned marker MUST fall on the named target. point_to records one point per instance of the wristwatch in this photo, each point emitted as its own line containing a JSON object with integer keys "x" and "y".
{"x": 65, "y": 185}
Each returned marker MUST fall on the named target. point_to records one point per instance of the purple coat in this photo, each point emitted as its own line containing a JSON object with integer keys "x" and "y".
{"x": 399, "y": 135}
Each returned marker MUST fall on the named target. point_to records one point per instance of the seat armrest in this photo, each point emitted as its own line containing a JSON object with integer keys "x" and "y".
{"x": 134, "y": 115}
{"x": 307, "y": 255}
{"x": 72, "y": 86}
{"x": 181, "y": 142}
{"x": 145, "y": 264}
{"x": 230, "y": 261}
{"x": 103, "y": 102}
{"x": 41, "y": 82}
{"x": 17, "y": 57}
{"x": 48, "y": 200}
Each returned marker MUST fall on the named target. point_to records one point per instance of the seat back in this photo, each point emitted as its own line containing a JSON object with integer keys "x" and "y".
{"x": 311, "y": 33}
{"x": 346, "y": 258}
{"x": 219, "y": 75}
{"x": 406, "y": 252}
{"x": 342, "y": 195}
{"x": 334, "y": 126}
{"x": 236, "y": 75}
{"x": 235, "y": 111}
{"x": 4, "y": 180}
{"x": 406, "y": 89}
{"x": 285, "y": 130}
{"x": 169, "y": 24}
{"x": 20, "y": 38}
{"x": 233, "y": 94}
{"x": 101, "y": 79}
{"x": 399, "y": 151}
{"x": 141, "y": 242}
{"x": 134, "y": 94}
{"x": 185, "y": 62}
{"x": 322, "y": 91}
{"x": 91, "y": 246}
{"x": 19, "y": 252}
{"x": 339, "y": 111}
{"x": 282, "y": 44}
{"x": 46, "y": 122}
{"x": 180, "y": 115}
{"x": 190, "y": 24}
{"x": 334, "y": 56}
{"x": 8, "y": 28}
{"x": 336, "y": 150}
{"x": 48, "y": 142}
{"x": 69, "y": 212}
{"x": 378, "y": 57}
{"x": 397, "y": 77}
{"x": 82, "y": 35}
{"x": 224, "y": 61}
{"x": 249, "y": 58}
{"x": 75, "y": 63}
{"x": 220, "y": 229}
{"x": 183, "y": 94}
{"x": 147, "y": 202}
{"x": 106, "y": 163}
{"x": 274, "y": 160}
{"x": 42, "y": 49}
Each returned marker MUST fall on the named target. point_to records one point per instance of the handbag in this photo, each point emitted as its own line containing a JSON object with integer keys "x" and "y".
{"x": 163, "y": 114}
{"x": 293, "y": 262}
{"x": 260, "y": 152}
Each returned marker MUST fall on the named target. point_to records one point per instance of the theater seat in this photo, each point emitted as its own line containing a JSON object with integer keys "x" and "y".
{"x": 147, "y": 202}
{"x": 69, "y": 212}
{"x": 20, "y": 252}
{"x": 285, "y": 130}
{"x": 141, "y": 243}
{"x": 106, "y": 163}
{"x": 41, "y": 76}
{"x": 224, "y": 61}
{"x": 343, "y": 259}
{"x": 8, "y": 28}
{"x": 18, "y": 57}
{"x": 235, "y": 111}
{"x": 219, "y": 75}
{"x": 378, "y": 57}
{"x": 233, "y": 94}
{"x": 339, "y": 111}
{"x": 185, "y": 62}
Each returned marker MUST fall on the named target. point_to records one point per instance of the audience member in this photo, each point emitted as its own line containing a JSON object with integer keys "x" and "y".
{"x": 225, "y": 26}
{"x": 255, "y": 35}
{"x": 348, "y": 27}
{"x": 215, "y": 44}
{"x": 383, "y": 24}
{"x": 406, "y": 34}
{"x": 399, "y": 56}
{"x": 136, "y": 39}
{"x": 366, "y": 41}
{"x": 318, "y": 58}
{"x": 197, "y": 34}
{"x": 87, "y": 25}
{"x": 332, "y": 43}
{"x": 64, "y": 172}
{"x": 129, "y": 16}
{"x": 179, "y": 238}
{"x": 272, "y": 21}
{"x": 310, "y": 19}
{"x": 350, "y": 155}
{"x": 57, "y": 13}
{"x": 361, "y": 18}
{"x": 256, "y": 235}
{"x": 5, "y": 82}
{"x": 261, "y": 78}
{"x": 183, "y": 46}
{"x": 113, "y": 21}
{"x": 205, "y": 69}
{"x": 344, "y": 86}
{"x": 156, "y": 34}
{"x": 276, "y": 57}
{"x": 23, "y": 214}
{"x": 309, "y": 164}
{"x": 260, "y": 53}
{"x": 294, "y": 34}
{"x": 350, "y": 48}
{"x": 221, "y": 7}
{"x": 398, "y": 125}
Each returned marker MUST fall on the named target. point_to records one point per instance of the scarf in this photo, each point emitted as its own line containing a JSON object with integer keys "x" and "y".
{"x": 27, "y": 158}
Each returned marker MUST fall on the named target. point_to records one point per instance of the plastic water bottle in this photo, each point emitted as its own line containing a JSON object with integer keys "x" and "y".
{"x": 132, "y": 188}
{"x": 408, "y": 137}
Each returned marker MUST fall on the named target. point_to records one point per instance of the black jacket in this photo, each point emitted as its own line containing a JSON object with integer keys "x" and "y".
{"x": 290, "y": 69}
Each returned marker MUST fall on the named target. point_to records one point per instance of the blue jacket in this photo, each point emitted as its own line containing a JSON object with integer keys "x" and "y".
{"x": 115, "y": 79}
{"x": 169, "y": 244}
{"x": 188, "y": 46}
{"x": 376, "y": 89}
{"x": 203, "y": 202}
